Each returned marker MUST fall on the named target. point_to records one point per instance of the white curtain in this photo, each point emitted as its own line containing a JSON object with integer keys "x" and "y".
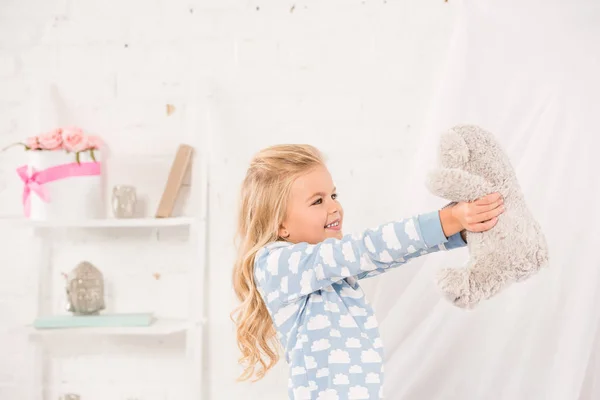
{"x": 529, "y": 71}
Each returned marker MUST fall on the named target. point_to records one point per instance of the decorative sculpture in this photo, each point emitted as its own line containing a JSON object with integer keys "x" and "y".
{"x": 85, "y": 290}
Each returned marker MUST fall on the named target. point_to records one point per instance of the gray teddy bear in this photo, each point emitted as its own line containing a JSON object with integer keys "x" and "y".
{"x": 474, "y": 165}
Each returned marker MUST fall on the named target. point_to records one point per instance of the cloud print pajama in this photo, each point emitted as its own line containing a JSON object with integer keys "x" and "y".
{"x": 323, "y": 321}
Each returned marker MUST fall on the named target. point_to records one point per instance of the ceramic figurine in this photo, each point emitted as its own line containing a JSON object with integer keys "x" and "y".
{"x": 85, "y": 290}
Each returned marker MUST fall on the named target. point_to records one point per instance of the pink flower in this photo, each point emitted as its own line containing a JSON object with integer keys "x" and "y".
{"x": 74, "y": 140}
{"x": 94, "y": 142}
{"x": 52, "y": 140}
{"x": 32, "y": 142}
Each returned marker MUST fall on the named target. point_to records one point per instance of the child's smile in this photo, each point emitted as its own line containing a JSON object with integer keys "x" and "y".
{"x": 335, "y": 225}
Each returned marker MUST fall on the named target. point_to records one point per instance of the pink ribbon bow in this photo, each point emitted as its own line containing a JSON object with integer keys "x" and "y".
{"x": 35, "y": 180}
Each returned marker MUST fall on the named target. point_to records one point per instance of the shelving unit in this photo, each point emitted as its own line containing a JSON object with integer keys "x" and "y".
{"x": 195, "y": 225}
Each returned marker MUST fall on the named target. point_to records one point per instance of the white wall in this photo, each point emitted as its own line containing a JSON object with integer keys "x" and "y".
{"x": 352, "y": 77}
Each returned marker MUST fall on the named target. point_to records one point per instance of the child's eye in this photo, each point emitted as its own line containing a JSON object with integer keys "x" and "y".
{"x": 334, "y": 196}
{"x": 319, "y": 201}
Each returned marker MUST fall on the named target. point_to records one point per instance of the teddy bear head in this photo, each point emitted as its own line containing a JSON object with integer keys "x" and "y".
{"x": 475, "y": 150}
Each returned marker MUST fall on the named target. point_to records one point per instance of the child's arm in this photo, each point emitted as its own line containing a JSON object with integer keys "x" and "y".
{"x": 455, "y": 241}
{"x": 451, "y": 228}
{"x": 290, "y": 271}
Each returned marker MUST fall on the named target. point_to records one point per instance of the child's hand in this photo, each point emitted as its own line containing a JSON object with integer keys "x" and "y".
{"x": 480, "y": 215}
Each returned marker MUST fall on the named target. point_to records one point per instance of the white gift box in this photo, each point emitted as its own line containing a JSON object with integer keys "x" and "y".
{"x": 71, "y": 197}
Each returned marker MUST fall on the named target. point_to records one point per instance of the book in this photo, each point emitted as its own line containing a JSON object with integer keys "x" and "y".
{"x": 179, "y": 168}
{"x": 87, "y": 321}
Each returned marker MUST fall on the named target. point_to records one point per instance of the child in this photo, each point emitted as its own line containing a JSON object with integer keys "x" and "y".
{"x": 297, "y": 275}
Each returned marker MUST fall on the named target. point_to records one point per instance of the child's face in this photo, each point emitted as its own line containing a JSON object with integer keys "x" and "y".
{"x": 312, "y": 208}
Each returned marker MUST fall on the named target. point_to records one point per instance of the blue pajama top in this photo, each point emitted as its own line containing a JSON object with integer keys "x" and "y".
{"x": 323, "y": 320}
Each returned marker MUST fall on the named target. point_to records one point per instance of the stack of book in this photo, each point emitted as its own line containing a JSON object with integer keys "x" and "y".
{"x": 94, "y": 321}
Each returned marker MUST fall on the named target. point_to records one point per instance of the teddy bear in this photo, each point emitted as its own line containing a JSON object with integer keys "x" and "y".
{"x": 473, "y": 165}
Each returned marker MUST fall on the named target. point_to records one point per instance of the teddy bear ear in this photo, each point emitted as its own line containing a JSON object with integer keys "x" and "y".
{"x": 454, "y": 151}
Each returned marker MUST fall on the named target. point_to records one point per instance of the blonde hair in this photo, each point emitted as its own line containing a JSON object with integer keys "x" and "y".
{"x": 263, "y": 202}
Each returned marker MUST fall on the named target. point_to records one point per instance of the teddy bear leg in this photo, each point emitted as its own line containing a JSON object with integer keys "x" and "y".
{"x": 466, "y": 287}
{"x": 486, "y": 281}
{"x": 455, "y": 286}
{"x": 457, "y": 184}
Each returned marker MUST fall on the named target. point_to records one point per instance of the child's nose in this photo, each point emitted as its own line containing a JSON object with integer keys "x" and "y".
{"x": 333, "y": 208}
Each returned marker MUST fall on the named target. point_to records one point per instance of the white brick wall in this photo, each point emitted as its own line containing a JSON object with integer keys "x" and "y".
{"x": 353, "y": 77}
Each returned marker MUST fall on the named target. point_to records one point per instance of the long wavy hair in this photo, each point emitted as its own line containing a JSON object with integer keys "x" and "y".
{"x": 262, "y": 205}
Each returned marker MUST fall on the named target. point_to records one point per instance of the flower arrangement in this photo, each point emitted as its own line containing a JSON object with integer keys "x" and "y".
{"x": 70, "y": 139}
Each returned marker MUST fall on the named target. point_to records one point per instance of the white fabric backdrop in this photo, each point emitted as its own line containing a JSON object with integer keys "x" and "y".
{"x": 529, "y": 71}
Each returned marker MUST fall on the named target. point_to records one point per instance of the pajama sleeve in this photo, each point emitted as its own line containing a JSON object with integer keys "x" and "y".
{"x": 289, "y": 271}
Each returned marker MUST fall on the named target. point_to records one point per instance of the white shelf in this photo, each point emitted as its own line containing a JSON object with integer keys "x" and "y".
{"x": 105, "y": 223}
{"x": 159, "y": 327}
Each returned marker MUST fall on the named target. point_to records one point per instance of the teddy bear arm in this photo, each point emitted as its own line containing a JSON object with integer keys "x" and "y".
{"x": 458, "y": 185}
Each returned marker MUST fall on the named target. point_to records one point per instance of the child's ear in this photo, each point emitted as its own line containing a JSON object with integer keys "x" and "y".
{"x": 283, "y": 232}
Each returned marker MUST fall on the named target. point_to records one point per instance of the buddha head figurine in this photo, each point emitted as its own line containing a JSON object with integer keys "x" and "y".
{"x": 85, "y": 290}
